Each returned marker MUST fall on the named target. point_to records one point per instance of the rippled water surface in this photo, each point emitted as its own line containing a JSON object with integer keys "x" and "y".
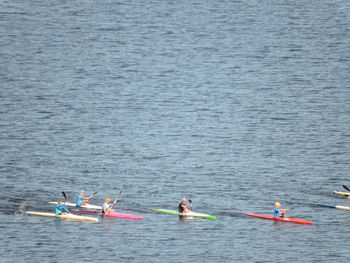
{"x": 233, "y": 104}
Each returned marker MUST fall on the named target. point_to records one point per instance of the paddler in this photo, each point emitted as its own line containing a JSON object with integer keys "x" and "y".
{"x": 277, "y": 212}
{"x": 106, "y": 205}
{"x": 61, "y": 209}
{"x": 183, "y": 207}
{"x": 82, "y": 199}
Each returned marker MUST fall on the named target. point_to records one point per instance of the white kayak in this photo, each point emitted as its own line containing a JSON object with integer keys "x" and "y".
{"x": 66, "y": 216}
{"x": 88, "y": 206}
{"x": 336, "y": 206}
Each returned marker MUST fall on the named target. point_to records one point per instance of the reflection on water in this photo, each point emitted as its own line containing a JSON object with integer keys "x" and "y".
{"x": 282, "y": 224}
{"x": 186, "y": 218}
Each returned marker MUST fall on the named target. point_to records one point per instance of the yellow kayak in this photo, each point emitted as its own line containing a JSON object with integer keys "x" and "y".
{"x": 66, "y": 216}
{"x": 342, "y": 193}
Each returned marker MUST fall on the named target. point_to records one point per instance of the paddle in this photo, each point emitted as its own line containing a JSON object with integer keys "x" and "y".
{"x": 92, "y": 196}
{"x": 116, "y": 200}
{"x": 65, "y": 196}
{"x": 347, "y": 188}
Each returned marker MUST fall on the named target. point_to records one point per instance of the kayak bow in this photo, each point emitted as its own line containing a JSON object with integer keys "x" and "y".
{"x": 65, "y": 216}
{"x": 284, "y": 219}
{"x": 191, "y": 214}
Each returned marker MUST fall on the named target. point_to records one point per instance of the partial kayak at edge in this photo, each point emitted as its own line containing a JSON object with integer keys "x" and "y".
{"x": 342, "y": 193}
{"x": 341, "y": 207}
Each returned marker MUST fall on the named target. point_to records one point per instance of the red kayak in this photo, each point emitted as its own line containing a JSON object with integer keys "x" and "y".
{"x": 284, "y": 219}
{"x": 111, "y": 214}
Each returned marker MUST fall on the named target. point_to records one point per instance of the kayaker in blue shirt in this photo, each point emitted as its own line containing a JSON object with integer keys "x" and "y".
{"x": 82, "y": 199}
{"x": 61, "y": 209}
{"x": 183, "y": 207}
{"x": 277, "y": 212}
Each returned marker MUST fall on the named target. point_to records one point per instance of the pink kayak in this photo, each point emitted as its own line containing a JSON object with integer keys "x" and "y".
{"x": 111, "y": 214}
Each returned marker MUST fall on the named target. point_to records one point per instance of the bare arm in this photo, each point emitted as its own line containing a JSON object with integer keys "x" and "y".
{"x": 284, "y": 210}
{"x": 87, "y": 197}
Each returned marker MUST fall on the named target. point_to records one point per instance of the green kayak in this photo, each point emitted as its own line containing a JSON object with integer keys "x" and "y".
{"x": 191, "y": 214}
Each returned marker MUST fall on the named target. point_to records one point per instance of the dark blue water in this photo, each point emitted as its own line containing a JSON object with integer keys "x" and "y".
{"x": 234, "y": 104}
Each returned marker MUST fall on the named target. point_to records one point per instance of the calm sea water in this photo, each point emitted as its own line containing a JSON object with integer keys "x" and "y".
{"x": 234, "y": 104}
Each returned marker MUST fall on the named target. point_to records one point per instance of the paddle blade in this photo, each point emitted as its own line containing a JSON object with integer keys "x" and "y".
{"x": 347, "y": 188}
{"x": 113, "y": 204}
{"x": 65, "y": 196}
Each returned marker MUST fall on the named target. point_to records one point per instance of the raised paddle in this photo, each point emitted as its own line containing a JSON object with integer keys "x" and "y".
{"x": 65, "y": 196}
{"x": 116, "y": 200}
{"x": 347, "y": 188}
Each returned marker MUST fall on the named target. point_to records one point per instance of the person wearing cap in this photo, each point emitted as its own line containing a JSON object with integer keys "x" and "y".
{"x": 183, "y": 207}
{"x": 106, "y": 205}
{"x": 82, "y": 199}
{"x": 277, "y": 212}
{"x": 61, "y": 209}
